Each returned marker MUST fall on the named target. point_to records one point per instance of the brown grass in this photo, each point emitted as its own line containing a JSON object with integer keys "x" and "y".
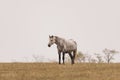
{"x": 54, "y": 71}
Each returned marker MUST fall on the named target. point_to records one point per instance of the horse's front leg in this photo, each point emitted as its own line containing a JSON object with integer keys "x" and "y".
{"x": 59, "y": 55}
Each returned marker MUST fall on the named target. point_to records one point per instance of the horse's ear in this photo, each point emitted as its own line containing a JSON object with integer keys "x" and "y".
{"x": 52, "y": 36}
{"x": 56, "y": 37}
{"x": 49, "y": 36}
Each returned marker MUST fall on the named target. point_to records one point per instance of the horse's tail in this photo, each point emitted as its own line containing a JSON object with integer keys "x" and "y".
{"x": 75, "y": 49}
{"x": 75, "y": 52}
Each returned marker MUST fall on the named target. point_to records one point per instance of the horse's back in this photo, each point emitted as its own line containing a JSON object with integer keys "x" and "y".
{"x": 70, "y": 45}
{"x": 72, "y": 42}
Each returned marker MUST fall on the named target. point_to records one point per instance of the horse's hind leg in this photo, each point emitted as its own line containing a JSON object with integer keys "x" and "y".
{"x": 74, "y": 54}
{"x": 72, "y": 61}
{"x": 63, "y": 58}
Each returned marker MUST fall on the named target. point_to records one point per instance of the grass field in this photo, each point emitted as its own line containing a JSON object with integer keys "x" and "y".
{"x": 54, "y": 71}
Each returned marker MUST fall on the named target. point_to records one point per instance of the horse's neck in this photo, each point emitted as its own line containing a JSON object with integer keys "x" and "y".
{"x": 59, "y": 41}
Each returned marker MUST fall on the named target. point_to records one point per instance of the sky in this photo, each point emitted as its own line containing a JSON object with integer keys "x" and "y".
{"x": 25, "y": 26}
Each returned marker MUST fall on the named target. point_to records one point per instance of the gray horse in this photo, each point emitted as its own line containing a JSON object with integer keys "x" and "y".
{"x": 64, "y": 46}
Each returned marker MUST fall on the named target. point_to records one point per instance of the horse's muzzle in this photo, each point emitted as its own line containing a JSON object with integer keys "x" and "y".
{"x": 48, "y": 45}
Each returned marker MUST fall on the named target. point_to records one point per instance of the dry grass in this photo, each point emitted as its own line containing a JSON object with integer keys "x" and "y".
{"x": 54, "y": 71}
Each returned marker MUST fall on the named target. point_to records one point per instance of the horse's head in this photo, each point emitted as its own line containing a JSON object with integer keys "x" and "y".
{"x": 52, "y": 40}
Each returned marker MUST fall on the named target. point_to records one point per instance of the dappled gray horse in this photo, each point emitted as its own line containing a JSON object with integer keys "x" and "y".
{"x": 64, "y": 46}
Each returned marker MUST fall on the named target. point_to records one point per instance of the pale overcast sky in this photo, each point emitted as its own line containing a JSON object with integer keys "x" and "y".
{"x": 26, "y": 24}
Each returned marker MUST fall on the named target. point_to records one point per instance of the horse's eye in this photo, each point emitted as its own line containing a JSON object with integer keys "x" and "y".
{"x": 51, "y": 40}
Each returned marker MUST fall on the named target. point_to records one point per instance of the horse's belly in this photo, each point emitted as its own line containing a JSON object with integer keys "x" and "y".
{"x": 69, "y": 49}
